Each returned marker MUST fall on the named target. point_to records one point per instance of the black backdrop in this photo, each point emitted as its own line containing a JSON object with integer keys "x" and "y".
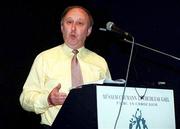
{"x": 27, "y": 28}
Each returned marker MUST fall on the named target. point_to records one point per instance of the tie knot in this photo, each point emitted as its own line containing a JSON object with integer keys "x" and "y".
{"x": 75, "y": 51}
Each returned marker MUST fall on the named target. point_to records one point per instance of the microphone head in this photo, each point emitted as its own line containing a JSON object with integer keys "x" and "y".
{"x": 109, "y": 25}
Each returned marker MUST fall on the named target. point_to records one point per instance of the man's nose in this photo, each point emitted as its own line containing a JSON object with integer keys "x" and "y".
{"x": 73, "y": 27}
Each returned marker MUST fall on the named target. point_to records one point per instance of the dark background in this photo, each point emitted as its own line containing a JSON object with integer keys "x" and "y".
{"x": 27, "y": 28}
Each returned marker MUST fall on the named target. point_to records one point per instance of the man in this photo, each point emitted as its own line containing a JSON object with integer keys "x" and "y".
{"x": 50, "y": 79}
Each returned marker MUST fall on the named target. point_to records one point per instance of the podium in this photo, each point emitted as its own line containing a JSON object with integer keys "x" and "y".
{"x": 96, "y": 107}
{"x": 79, "y": 110}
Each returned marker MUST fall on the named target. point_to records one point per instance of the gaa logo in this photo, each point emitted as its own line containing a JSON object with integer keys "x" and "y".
{"x": 137, "y": 121}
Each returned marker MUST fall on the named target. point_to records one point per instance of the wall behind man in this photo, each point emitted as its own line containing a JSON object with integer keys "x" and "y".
{"x": 29, "y": 28}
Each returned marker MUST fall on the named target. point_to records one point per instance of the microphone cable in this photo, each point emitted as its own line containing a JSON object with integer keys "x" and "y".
{"x": 125, "y": 85}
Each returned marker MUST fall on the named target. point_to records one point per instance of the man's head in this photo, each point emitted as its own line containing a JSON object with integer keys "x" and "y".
{"x": 76, "y": 25}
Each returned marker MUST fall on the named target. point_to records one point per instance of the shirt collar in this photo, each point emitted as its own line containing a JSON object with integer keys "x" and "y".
{"x": 68, "y": 50}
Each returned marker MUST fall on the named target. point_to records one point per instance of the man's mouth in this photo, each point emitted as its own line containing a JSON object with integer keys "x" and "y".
{"x": 73, "y": 36}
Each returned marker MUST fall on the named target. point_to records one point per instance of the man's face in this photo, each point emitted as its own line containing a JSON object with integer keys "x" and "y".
{"x": 75, "y": 28}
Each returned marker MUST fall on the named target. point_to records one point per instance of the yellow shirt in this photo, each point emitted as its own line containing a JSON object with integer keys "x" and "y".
{"x": 53, "y": 66}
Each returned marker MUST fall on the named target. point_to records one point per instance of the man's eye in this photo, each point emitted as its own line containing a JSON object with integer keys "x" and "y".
{"x": 68, "y": 22}
{"x": 80, "y": 23}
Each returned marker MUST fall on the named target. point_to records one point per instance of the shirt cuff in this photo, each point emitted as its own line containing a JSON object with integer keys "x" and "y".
{"x": 42, "y": 103}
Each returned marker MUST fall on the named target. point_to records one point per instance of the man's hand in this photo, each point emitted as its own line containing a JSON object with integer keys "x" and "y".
{"x": 55, "y": 97}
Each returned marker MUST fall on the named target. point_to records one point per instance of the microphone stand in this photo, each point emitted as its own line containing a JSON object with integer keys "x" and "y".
{"x": 127, "y": 73}
{"x": 132, "y": 42}
{"x": 152, "y": 49}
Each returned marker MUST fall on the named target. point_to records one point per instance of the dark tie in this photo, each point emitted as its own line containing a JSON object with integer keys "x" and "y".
{"x": 76, "y": 75}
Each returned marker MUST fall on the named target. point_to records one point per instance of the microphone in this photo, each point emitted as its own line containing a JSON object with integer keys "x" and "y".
{"x": 110, "y": 26}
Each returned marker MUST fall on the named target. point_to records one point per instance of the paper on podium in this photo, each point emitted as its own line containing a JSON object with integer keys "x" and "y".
{"x": 109, "y": 81}
{"x": 104, "y": 81}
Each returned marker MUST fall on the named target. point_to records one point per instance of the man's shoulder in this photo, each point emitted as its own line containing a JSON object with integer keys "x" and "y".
{"x": 53, "y": 49}
{"x": 92, "y": 54}
{"x": 50, "y": 53}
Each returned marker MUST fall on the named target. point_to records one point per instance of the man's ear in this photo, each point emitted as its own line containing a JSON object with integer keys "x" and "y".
{"x": 62, "y": 28}
{"x": 89, "y": 31}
